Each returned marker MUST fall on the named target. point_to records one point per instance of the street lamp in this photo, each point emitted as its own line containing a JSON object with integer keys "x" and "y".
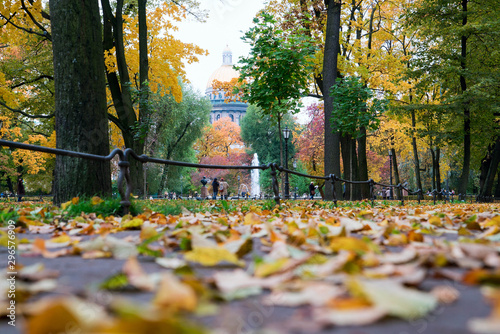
{"x": 286, "y": 135}
{"x": 390, "y": 174}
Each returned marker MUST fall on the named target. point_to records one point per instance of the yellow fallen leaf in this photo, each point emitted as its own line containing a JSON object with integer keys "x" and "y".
{"x": 131, "y": 224}
{"x": 268, "y": 268}
{"x": 61, "y": 239}
{"x": 173, "y": 294}
{"x": 349, "y": 244}
{"x": 251, "y": 219}
{"x": 436, "y": 221}
{"x": 96, "y": 200}
{"x": 65, "y": 205}
{"x": 209, "y": 256}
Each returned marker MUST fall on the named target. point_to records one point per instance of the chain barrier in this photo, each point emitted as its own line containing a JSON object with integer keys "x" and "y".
{"x": 124, "y": 178}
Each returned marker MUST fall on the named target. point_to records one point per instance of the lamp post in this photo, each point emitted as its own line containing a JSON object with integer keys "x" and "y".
{"x": 390, "y": 174}
{"x": 286, "y": 135}
{"x": 238, "y": 187}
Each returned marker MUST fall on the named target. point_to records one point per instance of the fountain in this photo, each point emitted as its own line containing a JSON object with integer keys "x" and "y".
{"x": 255, "y": 177}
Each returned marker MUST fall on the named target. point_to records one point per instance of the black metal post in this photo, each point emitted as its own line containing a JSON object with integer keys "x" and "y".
{"x": 275, "y": 183}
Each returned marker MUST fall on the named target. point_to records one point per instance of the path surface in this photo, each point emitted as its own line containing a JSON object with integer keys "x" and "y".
{"x": 78, "y": 276}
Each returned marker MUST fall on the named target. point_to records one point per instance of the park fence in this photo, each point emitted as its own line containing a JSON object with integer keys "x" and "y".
{"x": 124, "y": 178}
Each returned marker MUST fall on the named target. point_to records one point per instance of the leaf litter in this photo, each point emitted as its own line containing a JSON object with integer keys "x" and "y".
{"x": 351, "y": 266}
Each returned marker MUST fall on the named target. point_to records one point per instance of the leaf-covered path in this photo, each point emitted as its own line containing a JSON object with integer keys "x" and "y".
{"x": 249, "y": 267}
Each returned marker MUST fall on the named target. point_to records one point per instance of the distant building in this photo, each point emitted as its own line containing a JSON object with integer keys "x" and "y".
{"x": 234, "y": 110}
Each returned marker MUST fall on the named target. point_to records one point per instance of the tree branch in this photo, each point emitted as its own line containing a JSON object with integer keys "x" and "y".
{"x": 29, "y": 31}
{"x": 187, "y": 10}
{"x": 117, "y": 122}
{"x": 25, "y": 114}
{"x": 42, "y": 28}
{"x": 33, "y": 130}
{"x": 31, "y": 81}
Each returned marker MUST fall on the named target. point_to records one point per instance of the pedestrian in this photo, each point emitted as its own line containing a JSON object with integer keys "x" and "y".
{"x": 215, "y": 188}
{"x": 223, "y": 189}
{"x": 204, "y": 190}
{"x": 311, "y": 190}
{"x": 20, "y": 189}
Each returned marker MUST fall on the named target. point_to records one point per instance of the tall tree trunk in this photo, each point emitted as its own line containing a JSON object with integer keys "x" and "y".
{"x": 119, "y": 87}
{"x": 497, "y": 189}
{"x": 345, "y": 141}
{"x": 433, "y": 158}
{"x": 332, "y": 48}
{"x": 80, "y": 99}
{"x": 363, "y": 164}
{"x": 144, "y": 112}
{"x": 395, "y": 170}
{"x": 464, "y": 178}
{"x": 437, "y": 171}
{"x": 355, "y": 189}
{"x": 487, "y": 188}
{"x": 416, "y": 160}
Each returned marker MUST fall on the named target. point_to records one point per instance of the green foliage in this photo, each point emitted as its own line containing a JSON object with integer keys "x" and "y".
{"x": 175, "y": 127}
{"x": 354, "y": 107}
{"x": 263, "y": 137}
{"x": 109, "y": 207}
{"x": 275, "y": 74}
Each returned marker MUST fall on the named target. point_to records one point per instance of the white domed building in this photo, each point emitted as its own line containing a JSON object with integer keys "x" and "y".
{"x": 225, "y": 73}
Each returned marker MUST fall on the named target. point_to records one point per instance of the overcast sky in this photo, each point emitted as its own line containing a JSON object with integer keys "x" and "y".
{"x": 228, "y": 20}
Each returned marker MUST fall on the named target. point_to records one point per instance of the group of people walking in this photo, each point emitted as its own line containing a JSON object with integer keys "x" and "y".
{"x": 218, "y": 188}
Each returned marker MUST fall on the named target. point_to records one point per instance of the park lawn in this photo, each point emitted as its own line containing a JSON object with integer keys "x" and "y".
{"x": 179, "y": 264}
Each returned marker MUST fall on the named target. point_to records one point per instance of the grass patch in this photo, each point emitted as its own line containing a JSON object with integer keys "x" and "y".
{"x": 106, "y": 207}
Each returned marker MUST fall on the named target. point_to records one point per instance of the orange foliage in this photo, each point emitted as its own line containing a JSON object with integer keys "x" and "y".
{"x": 230, "y": 89}
{"x": 222, "y": 138}
{"x": 311, "y": 142}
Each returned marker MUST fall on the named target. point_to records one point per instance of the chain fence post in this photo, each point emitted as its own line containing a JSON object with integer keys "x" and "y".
{"x": 401, "y": 198}
{"x": 372, "y": 195}
{"x": 334, "y": 191}
{"x": 124, "y": 175}
{"x": 275, "y": 184}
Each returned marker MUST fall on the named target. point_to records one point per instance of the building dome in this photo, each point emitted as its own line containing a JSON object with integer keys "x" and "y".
{"x": 225, "y": 73}
{"x": 221, "y": 108}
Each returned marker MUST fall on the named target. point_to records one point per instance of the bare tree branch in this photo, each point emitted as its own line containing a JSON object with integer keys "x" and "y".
{"x": 31, "y": 81}
{"x": 25, "y": 114}
{"x": 29, "y": 31}
{"x": 45, "y": 32}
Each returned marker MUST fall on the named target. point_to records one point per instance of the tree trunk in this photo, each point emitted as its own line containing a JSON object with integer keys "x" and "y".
{"x": 119, "y": 86}
{"x": 486, "y": 191}
{"x": 346, "y": 159}
{"x": 396, "y": 172}
{"x": 437, "y": 171}
{"x": 484, "y": 168}
{"x": 464, "y": 178}
{"x": 332, "y": 47}
{"x": 80, "y": 99}
{"x": 355, "y": 189}
{"x": 433, "y": 158}
{"x": 144, "y": 112}
{"x": 363, "y": 164}
{"x": 416, "y": 160}
{"x": 497, "y": 189}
